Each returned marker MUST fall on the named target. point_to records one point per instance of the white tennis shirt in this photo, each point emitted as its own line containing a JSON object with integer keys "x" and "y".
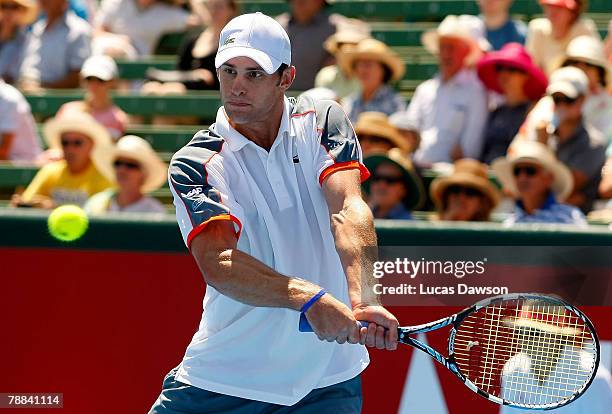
{"x": 281, "y": 217}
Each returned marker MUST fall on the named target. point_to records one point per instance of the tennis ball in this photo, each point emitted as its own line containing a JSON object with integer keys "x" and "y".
{"x": 67, "y": 223}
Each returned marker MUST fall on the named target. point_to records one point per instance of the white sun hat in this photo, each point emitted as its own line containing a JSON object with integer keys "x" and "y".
{"x": 536, "y": 153}
{"x": 255, "y": 36}
{"x": 465, "y": 27}
{"x": 570, "y": 81}
{"x": 101, "y": 67}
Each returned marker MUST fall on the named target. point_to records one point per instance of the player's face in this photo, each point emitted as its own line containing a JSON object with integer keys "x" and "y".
{"x": 248, "y": 93}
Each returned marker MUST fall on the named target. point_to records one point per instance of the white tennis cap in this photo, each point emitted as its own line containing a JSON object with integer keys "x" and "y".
{"x": 255, "y": 36}
{"x": 101, "y": 66}
{"x": 570, "y": 81}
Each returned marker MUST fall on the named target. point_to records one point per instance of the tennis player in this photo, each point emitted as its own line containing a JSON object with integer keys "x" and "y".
{"x": 268, "y": 201}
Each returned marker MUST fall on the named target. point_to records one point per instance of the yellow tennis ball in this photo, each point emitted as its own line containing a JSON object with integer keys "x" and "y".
{"x": 67, "y": 223}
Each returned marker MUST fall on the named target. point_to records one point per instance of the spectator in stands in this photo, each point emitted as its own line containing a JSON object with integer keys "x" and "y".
{"x": 84, "y": 171}
{"x": 465, "y": 195}
{"x": 308, "y": 24}
{"x": 196, "y": 60}
{"x": 336, "y": 76}
{"x": 55, "y": 49}
{"x": 608, "y": 45}
{"x": 375, "y": 66}
{"x": 408, "y": 129}
{"x": 394, "y": 189}
{"x": 548, "y": 37}
{"x": 450, "y": 110}
{"x": 19, "y": 140}
{"x": 587, "y": 54}
{"x": 132, "y": 28}
{"x": 138, "y": 171}
{"x": 539, "y": 182}
{"x": 15, "y": 16}
{"x": 500, "y": 28}
{"x": 98, "y": 76}
{"x": 376, "y": 134}
{"x": 577, "y": 145}
{"x": 512, "y": 73}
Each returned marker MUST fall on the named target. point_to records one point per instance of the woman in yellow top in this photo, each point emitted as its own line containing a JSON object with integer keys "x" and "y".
{"x": 548, "y": 37}
{"x": 84, "y": 170}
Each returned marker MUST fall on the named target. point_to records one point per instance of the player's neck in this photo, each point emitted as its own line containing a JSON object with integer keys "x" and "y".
{"x": 263, "y": 133}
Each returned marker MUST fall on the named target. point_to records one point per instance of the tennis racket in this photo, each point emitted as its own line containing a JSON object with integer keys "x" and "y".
{"x": 522, "y": 350}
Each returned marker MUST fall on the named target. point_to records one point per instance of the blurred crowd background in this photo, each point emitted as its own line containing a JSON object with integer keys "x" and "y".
{"x": 504, "y": 114}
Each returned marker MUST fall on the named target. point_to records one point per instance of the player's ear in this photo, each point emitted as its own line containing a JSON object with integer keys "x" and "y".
{"x": 286, "y": 78}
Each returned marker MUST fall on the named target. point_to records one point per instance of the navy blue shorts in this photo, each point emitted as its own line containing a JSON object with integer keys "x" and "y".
{"x": 180, "y": 398}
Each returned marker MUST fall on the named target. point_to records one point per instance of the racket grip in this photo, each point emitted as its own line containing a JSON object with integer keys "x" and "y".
{"x": 304, "y": 325}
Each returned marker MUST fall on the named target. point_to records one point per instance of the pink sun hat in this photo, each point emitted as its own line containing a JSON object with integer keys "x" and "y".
{"x": 513, "y": 55}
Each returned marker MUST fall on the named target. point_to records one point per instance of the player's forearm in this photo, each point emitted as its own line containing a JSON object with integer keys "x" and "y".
{"x": 243, "y": 278}
{"x": 355, "y": 239}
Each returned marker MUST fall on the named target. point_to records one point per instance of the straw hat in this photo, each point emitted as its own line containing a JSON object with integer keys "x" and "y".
{"x": 467, "y": 173}
{"x": 31, "y": 12}
{"x": 468, "y": 28}
{"x": 347, "y": 31}
{"x": 377, "y": 124}
{"x": 589, "y": 50}
{"x": 536, "y": 153}
{"x": 415, "y": 194}
{"x": 136, "y": 148}
{"x": 83, "y": 123}
{"x": 513, "y": 55}
{"x": 543, "y": 318}
{"x": 377, "y": 50}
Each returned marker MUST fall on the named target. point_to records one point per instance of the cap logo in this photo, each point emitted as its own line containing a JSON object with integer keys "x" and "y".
{"x": 228, "y": 41}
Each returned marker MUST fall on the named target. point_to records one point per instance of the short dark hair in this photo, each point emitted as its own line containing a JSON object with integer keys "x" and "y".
{"x": 281, "y": 69}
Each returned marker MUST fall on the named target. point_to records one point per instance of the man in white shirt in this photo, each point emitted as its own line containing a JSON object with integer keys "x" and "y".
{"x": 268, "y": 201}
{"x": 450, "y": 110}
{"x": 19, "y": 140}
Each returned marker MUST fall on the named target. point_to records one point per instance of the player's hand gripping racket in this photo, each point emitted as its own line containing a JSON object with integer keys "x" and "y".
{"x": 522, "y": 350}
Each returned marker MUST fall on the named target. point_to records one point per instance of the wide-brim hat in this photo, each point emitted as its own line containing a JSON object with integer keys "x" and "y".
{"x": 536, "y": 153}
{"x": 513, "y": 55}
{"x": 138, "y": 149}
{"x": 415, "y": 194}
{"x": 466, "y": 173}
{"x": 347, "y": 31}
{"x": 589, "y": 50}
{"x": 31, "y": 12}
{"x": 376, "y": 50}
{"x": 83, "y": 123}
{"x": 465, "y": 27}
{"x": 377, "y": 124}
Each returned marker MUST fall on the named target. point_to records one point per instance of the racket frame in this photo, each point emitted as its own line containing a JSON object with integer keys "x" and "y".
{"x": 455, "y": 320}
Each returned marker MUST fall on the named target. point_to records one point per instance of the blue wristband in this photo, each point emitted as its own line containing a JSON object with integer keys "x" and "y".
{"x": 312, "y": 301}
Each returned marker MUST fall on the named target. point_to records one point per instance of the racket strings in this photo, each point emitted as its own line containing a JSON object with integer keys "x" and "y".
{"x": 527, "y": 352}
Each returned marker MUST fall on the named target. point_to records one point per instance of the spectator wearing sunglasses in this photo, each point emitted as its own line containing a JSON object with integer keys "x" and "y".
{"x": 84, "y": 170}
{"x": 15, "y": 17}
{"x": 465, "y": 195}
{"x": 138, "y": 171}
{"x": 98, "y": 76}
{"x": 512, "y": 73}
{"x": 376, "y": 134}
{"x": 576, "y": 144}
{"x": 394, "y": 189}
{"x": 539, "y": 183}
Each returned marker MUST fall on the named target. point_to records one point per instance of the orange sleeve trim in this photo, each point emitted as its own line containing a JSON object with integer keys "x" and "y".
{"x": 348, "y": 165}
{"x": 200, "y": 228}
